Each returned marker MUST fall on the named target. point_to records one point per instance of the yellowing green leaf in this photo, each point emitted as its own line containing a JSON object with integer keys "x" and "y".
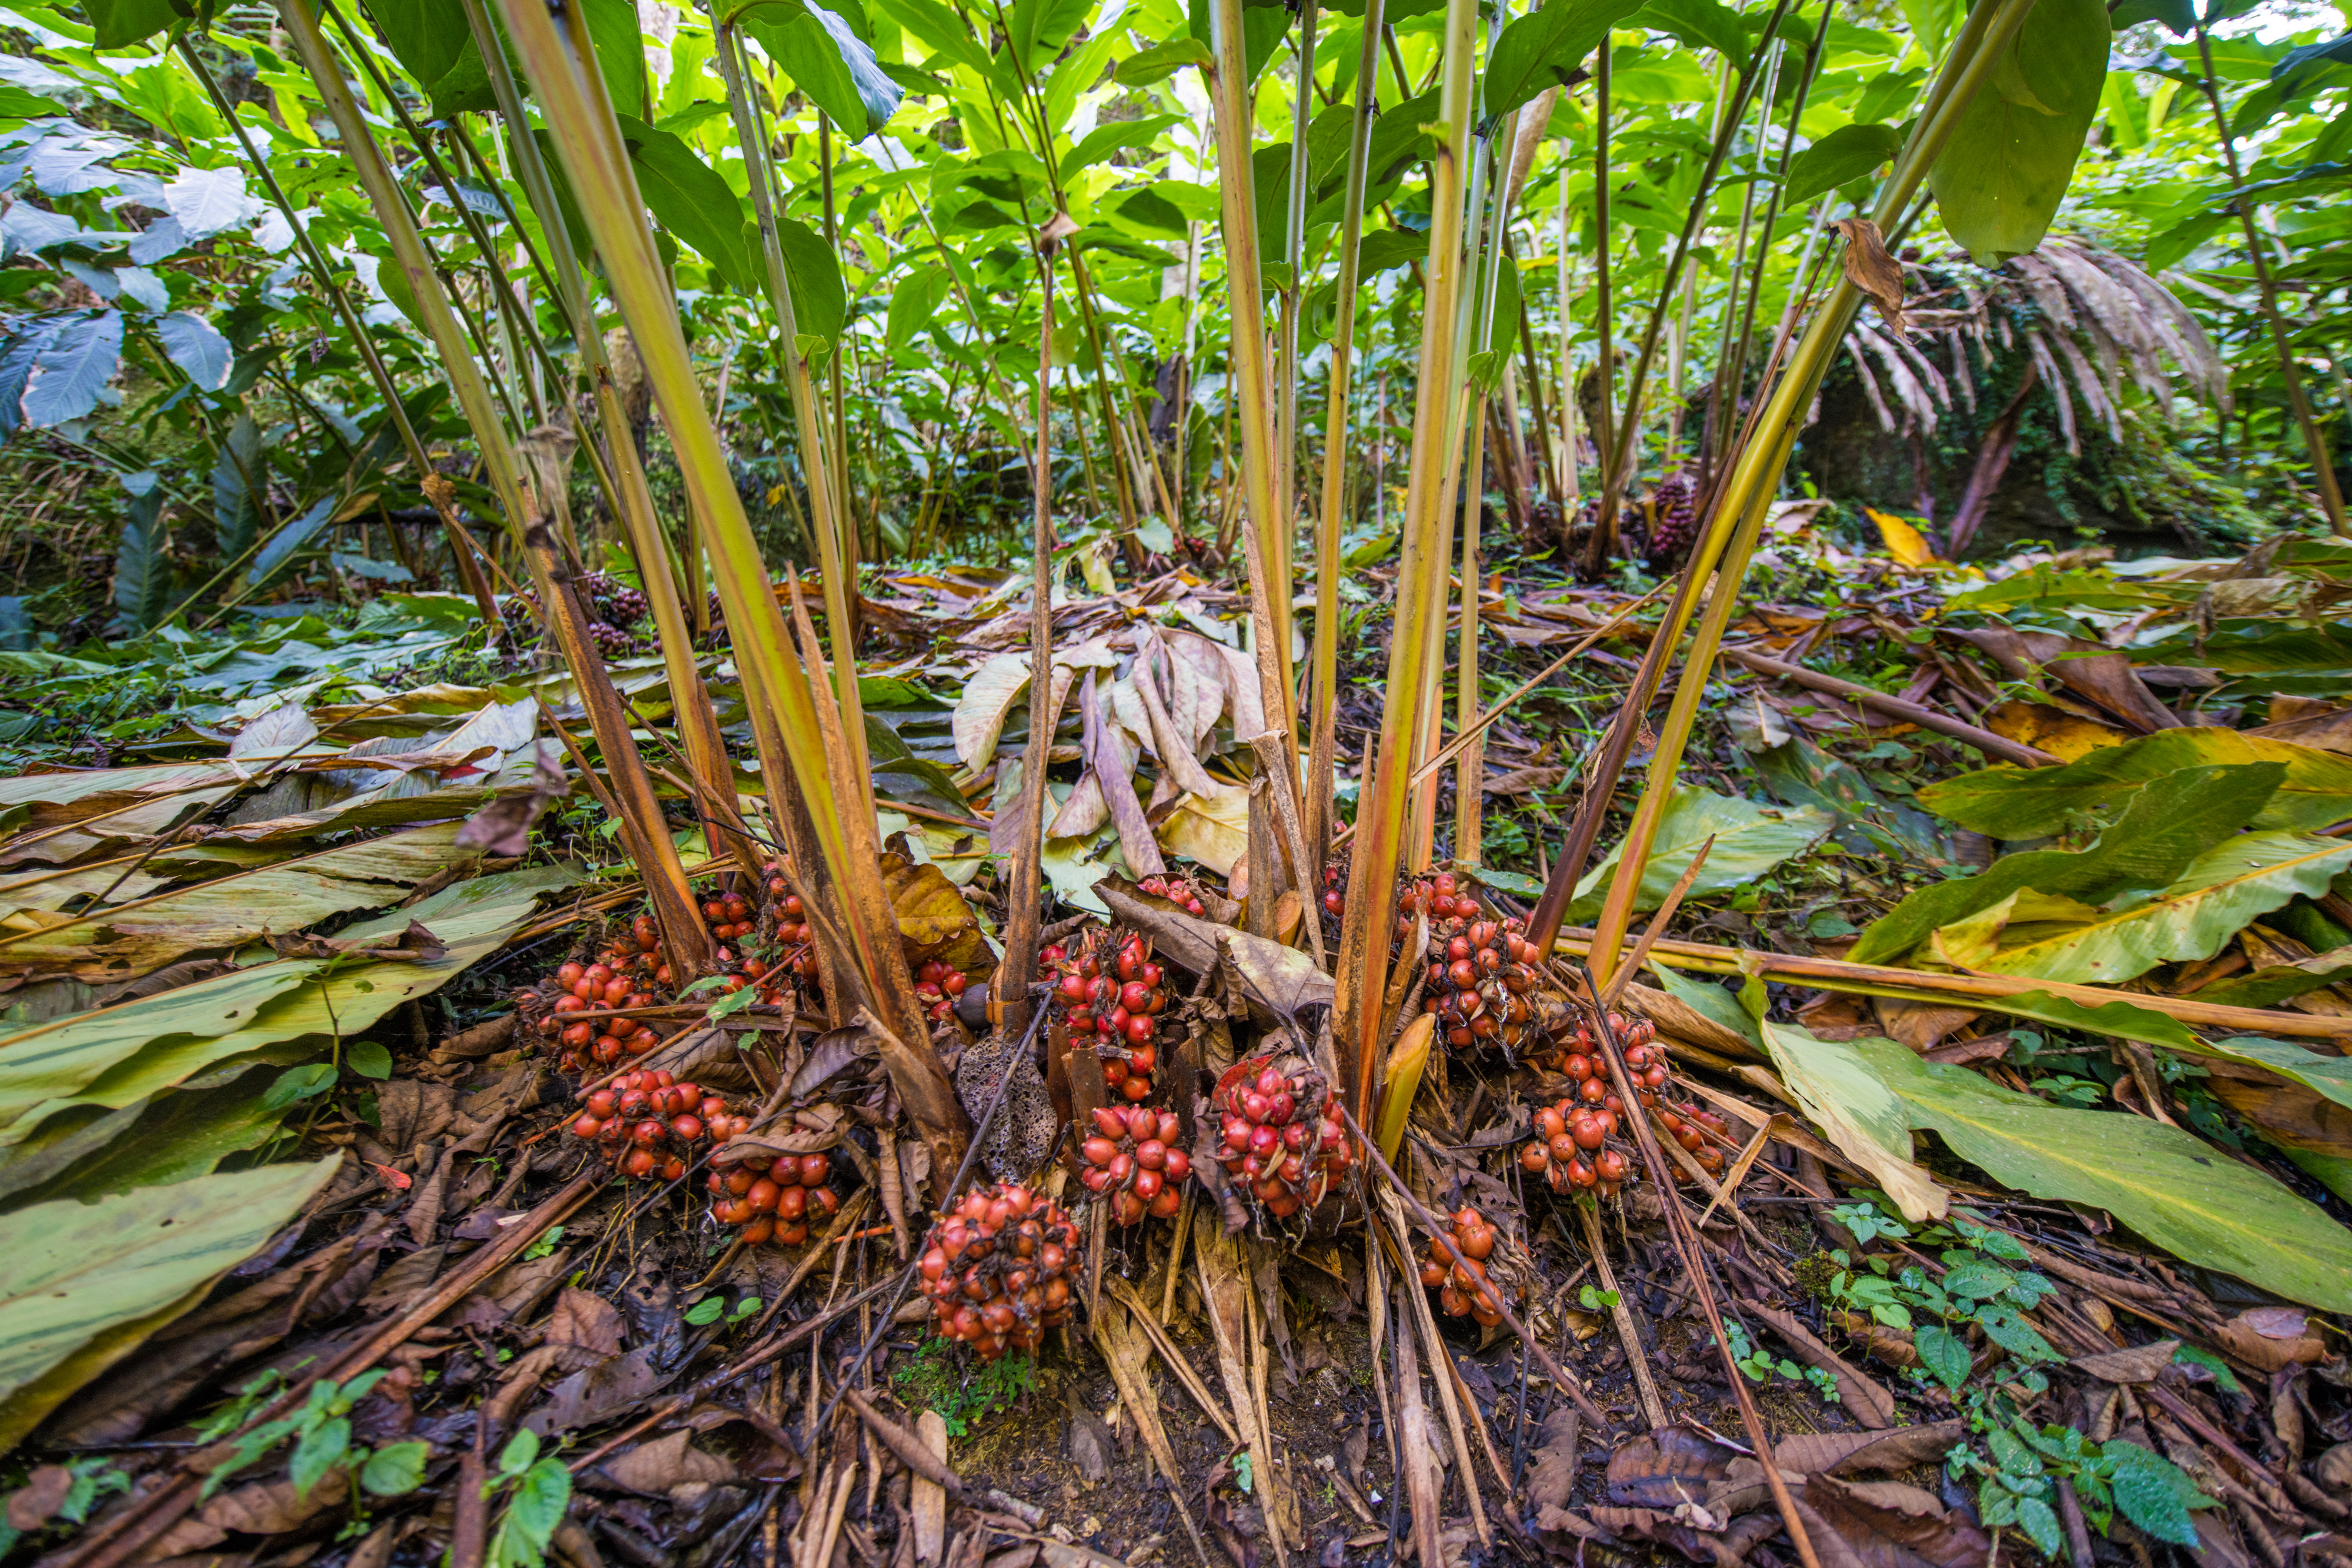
{"x": 88, "y": 1284}
{"x": 2035, "y": 802}
{"x": 1845, "y": 1099}
{"x": 1750, "y": 840}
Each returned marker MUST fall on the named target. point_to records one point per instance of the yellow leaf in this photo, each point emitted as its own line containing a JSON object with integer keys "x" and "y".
{"x": 2067, "y": 736}
{"x": 1904, "y": 542}
{"x": 1211, "y": 829}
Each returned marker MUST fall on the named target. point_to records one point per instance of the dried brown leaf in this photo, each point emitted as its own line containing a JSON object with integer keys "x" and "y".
{"x": 1870, "y": 268}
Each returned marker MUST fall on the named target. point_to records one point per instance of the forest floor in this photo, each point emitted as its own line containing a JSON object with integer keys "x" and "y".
{"x": 257, "y": 990}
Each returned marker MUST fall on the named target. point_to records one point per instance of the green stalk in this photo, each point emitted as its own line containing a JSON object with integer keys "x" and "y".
{"x": 1294, "y": 248}
{"x": 1745, "y": 496}
{"x": 829, "y": 523}
{"x": 528, "y": 501}
{"x": 1362, "y": 973}
{"x": 1269, "y": 594}
{"x": 2331, "y": 498}
{"x": 841, "y": 883}
{"x": 1322, "y": 763}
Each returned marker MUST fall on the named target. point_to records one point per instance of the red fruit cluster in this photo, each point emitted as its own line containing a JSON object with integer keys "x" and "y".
{"x": 1132, "y": 1160}
{"x": 774, "y": 1197}
{"x": 1688, "y": 1126}
{"x": 1335, "y": 902}
{"x": 794, "y": 957}
{"x": 937, "y": 987}
{"x": 1464, "y": 1292}
{"x": 1637, "y": 1036}
{"x": 1482, "y": 982}
{"x": 1177, "y": 890}
{"x": 1282, "y": 1140}
{"x": 622, "y": 976}
{"x": 1571, "y": 1148}
{"x": 998, "y": 1268}
{"x": 643, "y": 1124}
{"x": 1111, "y": 994}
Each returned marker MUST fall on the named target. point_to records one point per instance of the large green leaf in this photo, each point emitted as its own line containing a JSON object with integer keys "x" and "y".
{"x": 1750, "y": 840}
{"x": 1702, "y": 24}
{"x": 142, "y": 565}
{"x": 135, "y": 938}
{"x": 2168, "y": 825}
{"x": 2008, "y": 803}
{"x": 820, "y": 299}
{"x": 2188, "y": 1198}
{"x": 1858, "y": 1113}
{"x": 826, "y": 60}
{"x": 1846, "y": 153}
{"x": 122, "y": 23}
{"x": 119, "y": 1055}
{"x": 2001, "y": 176}
{"x": 88, "y": 1284}
{"x": 174, "y": 1137}
{"x": 1546, "y": 48}
{"x": 2222, "y": 890}
{"x": 690, "y": 201}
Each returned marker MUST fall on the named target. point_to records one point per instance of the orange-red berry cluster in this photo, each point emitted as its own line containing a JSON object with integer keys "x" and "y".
{"x": 1111, "y": 994}
{"x": 644, "y": 1123}
{"x": 1282, "y": 1140}
{"x": 1481, "y": 972}
{"x": 1133, "y": 1161}
{"x": 1177, "y": 890}
{"x": 1463, "y": 1289}
{"x": 998, "y": 1268}
{"x": 937, "y": 987}
{"x": 774, "y": 1197}
{"x": 1688, "y": 1126}
{"x": 1571, "y": 1150}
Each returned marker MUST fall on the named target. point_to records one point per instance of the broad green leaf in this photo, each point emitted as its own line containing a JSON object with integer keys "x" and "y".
{"x": 70, "y": 374}
{"x": 825, "y": 59}
{"x": 2170, "y": 1186}
{"x": 1702, "y": 24}
{"x": 118, "y": 1056}
{"x": 689, "y": 200}
{"x": 1750, "y": 840}
{"x": 2219, "y": 894}
{"x": 132, "y": 939}
{"x": 174, "y": 1137}
{"x": 297, "y": 1084}
{"x": 395, "y": 1469}
{"x": 2154, "y": 1493}
{"x": 86, "y": 1283}
{"x": 820, "y": 299}
{"x": 1041, "y": 29}
{"x": 1161, "y": 61}
{"x": 2008, "y": 803}
{"x": 540, "y": 1500}
{"x": 2001, "y": 178}
{"x": 368, "y": 1059}
{"x": 1846, "y": 153}
{"x": 321, "y": 1448}
{"x": 1263, "y": 28}
{"x": 1943, "y": 1353}
{"x": 122, "y": 23}
{"x": 202, "y": 355}
{"x": 142, "y": 565}
{"x": 282, "y": 545}
{"x": 1547, "y": 49}
{"x": 1841, "y": 1095}
{"x": 2167, "y": 826}
{"x": 2281, "y": 982}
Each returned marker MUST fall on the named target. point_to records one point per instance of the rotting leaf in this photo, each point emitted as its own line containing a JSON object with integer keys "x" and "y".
{"x": 1870, "y": 268}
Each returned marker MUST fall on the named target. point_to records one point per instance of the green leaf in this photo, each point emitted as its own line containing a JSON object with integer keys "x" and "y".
{"x": 368, "y": 1059}
{"x": 540, "y": 1500}
{"x": 520, "y": 1454}
{"x": 322, "y": 1448}
{"x": 1943, "y": 1353}
{"x": 2039, "y": 1523}
{"x": 1161, "y": 61}
{"x": 2178, "y": 818}
{"x": 2154, "y": 1493}
{"x": 689, "y": 200}
{"x": 2031, "y": 803}
{"x": 122, "y": 23}
{"x": 2221, "y": 890}
{"x": 826, "y": 60}
{"x": 1750, "y": 840}
{"x": 1842, "y": 1095}
{"x": 86, "y": 1283}
{"x": 1978, "y": 1282}
{"x": 820, "y": 299}
{"x": 1702, "y": 24}
{"x": 706, "y": 1311}
{"x": 70, "y": 372}
{"x": 1846, "y": 153}
{"x": 394, "y": 1471}
{"x": 2167, "y": 1185}
{"x": 142, "y": 565}
{"x": 2000, "y": 180}
{"x": 1547, "y": 49}
{"x": 299, "y": 1083}
{"x": 290, "y": 537}
{"x": 2014, "y": 1334}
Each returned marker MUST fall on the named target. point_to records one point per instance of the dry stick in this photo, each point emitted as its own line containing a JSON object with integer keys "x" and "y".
{"x": 1445, "y": 1235}
{"x": 1696, "y": 1269}
{"x": 1453, "y": 748}
{"x": 1425, "y": 1323}
{"x": 1125, "y": 1294}
{"x": 1657, "y": 926}
{"x": 1739, "y": 1167}
{"x": 1628, "y": 1334}
{"x": 138, "y": 1525}
{"x": 1926, "y": 717}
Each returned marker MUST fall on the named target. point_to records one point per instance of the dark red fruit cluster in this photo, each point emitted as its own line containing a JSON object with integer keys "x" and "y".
{"x": 622, "y": 976}
{"x": 1482, "y": 983}
{"x": 1572, "y": 1148}
{"x": 774, "y": 1197}
{"x": 789, "y": 955}
{"x": 1132, "y": 1160}
{"x": 1177, "y": 890}
{"x": 999, "y": 1267}
{"x": 1282, "y": 1140}
{"x": 1677, "y": 523}
{"x": 1111, "y": 995}
{"x": 1464, "y": 1292}
{"x": 644, "y": 1123}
